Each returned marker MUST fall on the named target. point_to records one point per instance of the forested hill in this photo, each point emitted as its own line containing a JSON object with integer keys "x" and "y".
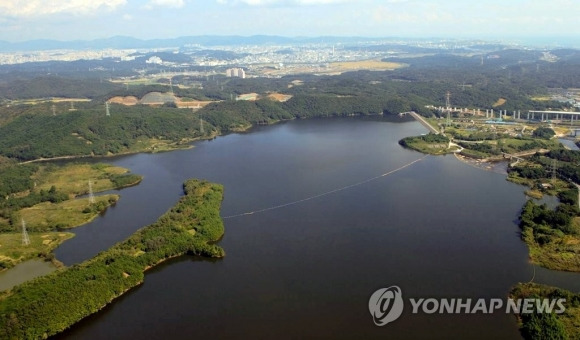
{"x": 53, "y": 86}
{"x": 88, "y": 131}
{"x": 30, "y": 132}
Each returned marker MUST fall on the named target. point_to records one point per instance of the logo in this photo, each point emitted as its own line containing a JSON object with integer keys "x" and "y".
{"x": 386, "y": 305}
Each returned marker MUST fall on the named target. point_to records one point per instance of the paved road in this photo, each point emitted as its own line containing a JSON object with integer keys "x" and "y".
{"x": 424, "y": 122}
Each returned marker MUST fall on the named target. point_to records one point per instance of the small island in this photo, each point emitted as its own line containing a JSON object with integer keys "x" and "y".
{"x": 71, "y": 294}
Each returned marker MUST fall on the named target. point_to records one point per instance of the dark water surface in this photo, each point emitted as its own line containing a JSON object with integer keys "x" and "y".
{"x": 439, "y": 228}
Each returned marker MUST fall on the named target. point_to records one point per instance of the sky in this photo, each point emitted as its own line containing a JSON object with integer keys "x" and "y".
{"x": 22, "y": 20}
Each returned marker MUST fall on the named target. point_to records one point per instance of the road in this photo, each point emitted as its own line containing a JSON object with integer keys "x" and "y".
{"x": 424, "y": 122}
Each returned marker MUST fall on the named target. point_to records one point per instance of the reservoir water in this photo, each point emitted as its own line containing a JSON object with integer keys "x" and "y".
{"x": 23, "y": 272}
{"x": 438, "y": 228}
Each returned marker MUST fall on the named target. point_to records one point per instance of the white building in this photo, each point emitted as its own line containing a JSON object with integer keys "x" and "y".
{"x": 154, "y": 60}
{"x": 236, "y": 72}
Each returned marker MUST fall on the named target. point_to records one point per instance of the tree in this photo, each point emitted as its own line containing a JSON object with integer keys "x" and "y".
{"x": 544, "y": 132}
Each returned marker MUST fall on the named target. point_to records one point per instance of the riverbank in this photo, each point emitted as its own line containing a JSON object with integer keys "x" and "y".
{"x": 65, "y": 215}
{"x": 156, "y": 146}
{"x": 12, "y": 251}
{"x": 542, "y": 326}
{"x": 70, "y": 294}
{"x": 50, "y": 203}
{"x": 552, "y": 236}
{"x": 73, "y": 179}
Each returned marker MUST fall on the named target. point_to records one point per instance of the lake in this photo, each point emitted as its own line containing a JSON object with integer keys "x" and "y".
{"x": 437, "y": 228}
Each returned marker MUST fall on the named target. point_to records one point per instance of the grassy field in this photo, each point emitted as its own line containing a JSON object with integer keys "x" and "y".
{"x": 561, "y": 254}
{"x": 154, "y": 145}
{"x": 434, "y": 122}
{"x": 45, "y": 217}
{"x": 332, "y": 68}
{"x": 541, "y": 98}
{"x": 429, "y": 148}
{"x": 12, "y": 251}
{"x": 72, "y": 179}
{"x": 364, "y": 65}
{"x": 248, "y": 96}
{"x": 67, "y": 214}
{"x": 429, "y": 144}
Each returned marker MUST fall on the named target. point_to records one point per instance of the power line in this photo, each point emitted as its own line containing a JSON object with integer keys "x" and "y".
{"x": 324, "y": 193}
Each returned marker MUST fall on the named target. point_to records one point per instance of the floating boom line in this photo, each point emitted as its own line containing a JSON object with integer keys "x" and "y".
{"x": 325, "y": 193}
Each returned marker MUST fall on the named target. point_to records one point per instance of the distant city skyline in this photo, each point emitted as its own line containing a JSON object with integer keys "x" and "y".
{"x": 152, "y": 19}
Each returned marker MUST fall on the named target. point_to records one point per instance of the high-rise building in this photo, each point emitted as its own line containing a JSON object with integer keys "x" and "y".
{"x": 236, "y": 72}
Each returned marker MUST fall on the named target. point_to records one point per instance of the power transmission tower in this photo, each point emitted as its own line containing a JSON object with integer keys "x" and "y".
{"x": 91, "y": 195}
{"x": 25, "y": 238}
{"x": 554, "y": 170}
{"x": 201, "y": 124}
{"x": 448, "y": 107}
{"x": 107, "y": 109}
{"x": 53, "y": 110}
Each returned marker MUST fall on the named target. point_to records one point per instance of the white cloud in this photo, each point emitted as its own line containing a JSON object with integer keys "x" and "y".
{"x": 35, "y": 8}
{"x": 165, "y": 3}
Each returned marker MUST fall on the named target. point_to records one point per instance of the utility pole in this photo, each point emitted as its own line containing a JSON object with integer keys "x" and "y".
{"x": 448, "y": 107}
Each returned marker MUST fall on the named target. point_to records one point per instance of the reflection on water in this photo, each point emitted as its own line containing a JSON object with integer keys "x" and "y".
{"x": 438, "y": 228}
{"x": 569, "y": 143}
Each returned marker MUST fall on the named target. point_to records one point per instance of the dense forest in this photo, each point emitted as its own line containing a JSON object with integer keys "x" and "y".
{"x": 54, "y": 86}
{"x": 540, "y": 326}
{"x": 88, "y": 131}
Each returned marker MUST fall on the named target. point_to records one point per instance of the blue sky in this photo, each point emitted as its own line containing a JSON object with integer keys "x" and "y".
{"x": 91, "y": 19}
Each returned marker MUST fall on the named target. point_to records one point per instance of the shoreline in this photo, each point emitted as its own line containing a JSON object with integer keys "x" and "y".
{"x": 479, "y": 164}
{"x": 70, "y": 297}
{"x": 187, "y": 143}
{"x": 48, "y": 218}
